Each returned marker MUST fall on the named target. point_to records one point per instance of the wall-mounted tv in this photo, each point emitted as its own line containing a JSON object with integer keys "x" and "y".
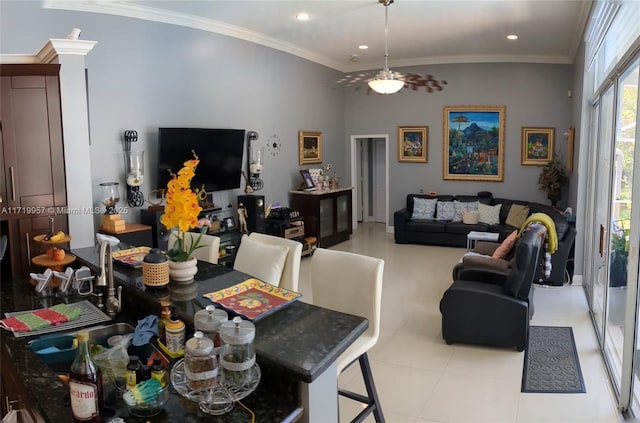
{"x": 220, "y": 152}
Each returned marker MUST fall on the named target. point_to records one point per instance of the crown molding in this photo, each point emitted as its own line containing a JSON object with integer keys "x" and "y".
{"x": 49, "y": 51}
{"x": 57, "y": 47}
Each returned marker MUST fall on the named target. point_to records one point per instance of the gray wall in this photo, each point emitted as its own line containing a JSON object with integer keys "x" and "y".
{"x": 144, "y": 75}
{"x": 535, "y": 96}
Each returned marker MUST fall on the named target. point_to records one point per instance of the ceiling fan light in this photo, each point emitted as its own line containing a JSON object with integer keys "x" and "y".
{"x": 385, "y": 83}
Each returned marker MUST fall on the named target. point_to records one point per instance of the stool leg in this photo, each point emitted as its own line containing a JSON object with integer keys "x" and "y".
{"x": 371, "y": 388}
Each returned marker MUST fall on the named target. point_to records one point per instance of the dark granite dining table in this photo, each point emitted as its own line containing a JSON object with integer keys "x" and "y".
{"x": 296, "y": 348}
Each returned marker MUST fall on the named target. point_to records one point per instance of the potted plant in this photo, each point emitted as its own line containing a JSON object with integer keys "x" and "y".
{"x": 619, "y": 258}
{"x": 553, "y": 178}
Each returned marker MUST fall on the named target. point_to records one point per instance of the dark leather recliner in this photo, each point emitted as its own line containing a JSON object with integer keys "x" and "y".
{"x": 492, "y": 307}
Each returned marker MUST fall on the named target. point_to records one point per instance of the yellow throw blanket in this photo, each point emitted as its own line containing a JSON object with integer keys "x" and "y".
{"x": 547, "y": 221}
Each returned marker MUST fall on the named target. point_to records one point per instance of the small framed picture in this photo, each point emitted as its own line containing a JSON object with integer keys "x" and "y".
{"x": 413, "y": 144}
{"x": 229, "y": 222}
{"x": 308, "y": 179}
{"x": 309, "y": 147}
{"x": 537, "y": 146}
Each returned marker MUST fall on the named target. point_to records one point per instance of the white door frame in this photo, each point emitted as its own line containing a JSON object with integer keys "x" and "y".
{"x": 354, "y": 178}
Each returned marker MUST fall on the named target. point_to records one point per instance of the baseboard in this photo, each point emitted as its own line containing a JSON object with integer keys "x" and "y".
{"x": 577, "y": 280}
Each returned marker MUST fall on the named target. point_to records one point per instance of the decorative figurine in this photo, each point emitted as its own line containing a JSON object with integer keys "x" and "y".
{"x": 242, "y": 218}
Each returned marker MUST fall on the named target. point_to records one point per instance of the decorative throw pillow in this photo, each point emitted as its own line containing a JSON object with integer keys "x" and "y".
{"x": 423, "y": 208}
{"x": 505, "y": 248}
{"x": 460, "y": 208}
{"x": 489, "y": 214}
{"x": 445, "y": 210}
{"x": 517, "y": 215}
{"x": 262, "y": 261}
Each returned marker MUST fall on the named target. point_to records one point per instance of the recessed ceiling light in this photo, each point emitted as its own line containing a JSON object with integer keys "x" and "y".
{"x": 512, "y": 37}
{"x": 363, "y": 47}
{"x": 302, "y": 16}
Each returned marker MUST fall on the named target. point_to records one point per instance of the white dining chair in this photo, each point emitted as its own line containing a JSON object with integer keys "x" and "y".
{"x": 272, "y": 259}
{"x": 352, "y": 283}
{"x": 209, "y": 253}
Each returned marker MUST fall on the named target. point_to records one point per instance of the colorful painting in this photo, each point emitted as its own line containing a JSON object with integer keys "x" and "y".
{"x": 413, "y": 144}
{"x": 537, "y": 146}
{"x": 309, "y": 147}
{"x": 252, "y": 298}
{"x": 474, "y": 143}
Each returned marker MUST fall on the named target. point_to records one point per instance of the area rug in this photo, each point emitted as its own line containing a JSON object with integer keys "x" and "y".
{"x": 551, "y": 363}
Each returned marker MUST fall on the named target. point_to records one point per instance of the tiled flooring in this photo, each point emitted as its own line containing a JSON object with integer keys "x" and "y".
{"x": 420, "y": 379}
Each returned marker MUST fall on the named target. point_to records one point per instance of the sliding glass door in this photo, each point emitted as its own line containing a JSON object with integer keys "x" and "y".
{"x": 613, "y": 284}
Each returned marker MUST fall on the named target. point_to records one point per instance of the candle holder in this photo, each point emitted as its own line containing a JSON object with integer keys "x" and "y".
{"x": 134, "y": 168}
{"x": 135, "y": 177}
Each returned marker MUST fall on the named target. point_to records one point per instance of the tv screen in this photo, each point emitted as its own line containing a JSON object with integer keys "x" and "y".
{"x": 220, "y": 152}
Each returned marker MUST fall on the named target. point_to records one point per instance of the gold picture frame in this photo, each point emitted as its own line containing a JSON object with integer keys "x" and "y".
{"x": 413, "y": 144}
{"x": 537, "y": 145}
{"x": 309, "y": 147}
{"x": 473, "y": 143}
{"x": 570, "y": 146}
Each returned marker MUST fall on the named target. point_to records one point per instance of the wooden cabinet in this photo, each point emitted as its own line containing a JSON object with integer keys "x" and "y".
{"x": 13, "y": 392}
{"x": 33, "y": 179}
{"x": 326, "y": 214}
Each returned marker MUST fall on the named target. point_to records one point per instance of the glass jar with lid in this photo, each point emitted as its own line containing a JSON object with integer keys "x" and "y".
{"x": 208, "y": 321}
{"x": 200, "y": 363}
{"x": 237, "y": 356}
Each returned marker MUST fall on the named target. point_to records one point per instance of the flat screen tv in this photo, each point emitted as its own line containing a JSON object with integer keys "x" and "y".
{"x": 220, "y": 152}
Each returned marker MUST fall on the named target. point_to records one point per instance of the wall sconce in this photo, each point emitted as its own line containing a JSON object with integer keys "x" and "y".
{"x": 134, "y": 168}
{"x": 255, "y": 162}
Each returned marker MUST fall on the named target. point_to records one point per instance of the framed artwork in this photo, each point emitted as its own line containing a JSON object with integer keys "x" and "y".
{"x": 570, "y": 146}
{"x": 309, "y": 147}
{"x": 473, "y": 147}
{"x": 413, "y": 144}
{"x": 537, "y": 145}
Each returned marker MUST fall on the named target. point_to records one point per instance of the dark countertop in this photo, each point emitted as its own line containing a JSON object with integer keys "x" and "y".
{"x": 296, "y": 343}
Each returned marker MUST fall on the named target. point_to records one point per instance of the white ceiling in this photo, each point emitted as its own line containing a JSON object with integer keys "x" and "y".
{"x": 420, "y": 31}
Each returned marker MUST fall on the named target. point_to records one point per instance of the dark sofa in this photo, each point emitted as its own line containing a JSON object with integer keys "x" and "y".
{"x": 454, "y": 234}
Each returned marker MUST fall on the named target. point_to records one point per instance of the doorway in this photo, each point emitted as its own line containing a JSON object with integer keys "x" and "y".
{"x": 370, "y": 178}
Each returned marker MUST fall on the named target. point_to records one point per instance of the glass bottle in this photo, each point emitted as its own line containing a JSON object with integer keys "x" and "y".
{"x": 208, "y": 321}
{"x": 200, "y": 364}
{"x": 237, "y": 356}
{"x": 85, "y": 384}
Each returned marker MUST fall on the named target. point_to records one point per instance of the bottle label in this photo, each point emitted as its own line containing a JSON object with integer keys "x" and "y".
{"x": 175, "y": 341}
{"x": 84, "y": 400}
{"x": 131, "y": 378}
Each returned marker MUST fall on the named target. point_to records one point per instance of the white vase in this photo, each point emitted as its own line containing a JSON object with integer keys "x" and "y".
{"x": 183, "y": 271}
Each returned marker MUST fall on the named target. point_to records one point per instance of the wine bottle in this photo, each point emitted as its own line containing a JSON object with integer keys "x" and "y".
{"x": 85, "y": 384}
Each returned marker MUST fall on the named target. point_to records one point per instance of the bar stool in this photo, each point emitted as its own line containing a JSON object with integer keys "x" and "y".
{"x": 352, "y": 283}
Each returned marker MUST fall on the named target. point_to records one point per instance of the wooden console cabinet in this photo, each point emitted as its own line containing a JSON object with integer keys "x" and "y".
{"x": 326, "y": 214}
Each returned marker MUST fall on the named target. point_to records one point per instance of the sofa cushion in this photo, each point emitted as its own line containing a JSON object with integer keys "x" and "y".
{"x": 461, "y": 207}
{"x": 489, "y": 214}
{"x": 445, "y": 210}
{"x": 423, "y": 208}
{"x": 502, "y": 252}
{"x": 432, "y": 226}
{"x": 517, "y": 215}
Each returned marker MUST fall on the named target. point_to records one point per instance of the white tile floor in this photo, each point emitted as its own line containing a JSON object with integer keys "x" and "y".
{"x": 420, "y": 379}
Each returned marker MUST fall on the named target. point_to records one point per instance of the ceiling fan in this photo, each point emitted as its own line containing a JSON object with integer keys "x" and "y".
{"x": 387, "y": 81}
{"x": 414, "y": 81}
